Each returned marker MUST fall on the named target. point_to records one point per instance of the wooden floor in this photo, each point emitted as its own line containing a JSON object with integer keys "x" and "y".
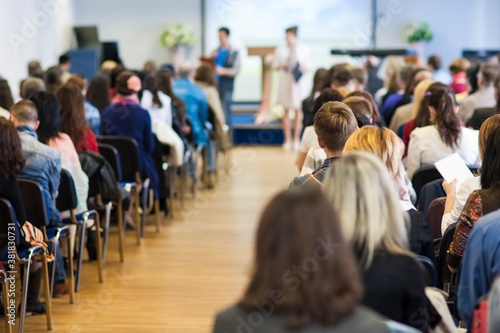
{"x": 198, "y": 264}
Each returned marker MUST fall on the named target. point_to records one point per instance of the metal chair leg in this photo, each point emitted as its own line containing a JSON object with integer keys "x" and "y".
{"x": 80, "y": 255}
{"x": 55, "y": 244}
{"x": 172, "y": 172}
{"x": 48, "y": 296}
{"x": 107, "y": 215}
{"x": 6, "y": 302}
{"x": 120, "y": 230}
{"x": 99, "y": 247}
{"x": 24, "y": 294}
{"x": 71, "y": 270}
{"x": 137, "y": 216}
{"x": 157, "y": 215}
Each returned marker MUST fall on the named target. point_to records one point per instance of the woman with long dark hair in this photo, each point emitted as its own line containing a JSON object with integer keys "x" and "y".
{"x": 6, "y": 100}
{"x": 304, "y": 276}
{"x": 98, "y": 92}
{"x": 445, "y": 136}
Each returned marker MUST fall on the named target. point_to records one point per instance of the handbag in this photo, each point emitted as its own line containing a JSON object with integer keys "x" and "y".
{"x": 480, "y": 316}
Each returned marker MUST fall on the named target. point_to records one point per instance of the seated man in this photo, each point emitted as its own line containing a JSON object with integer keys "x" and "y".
{"x": 334, "y": 123}
{"x": 343, "y": 81}
{"x": 43, "y": 165}
{"x": 480, "y": 264}
{"x": 197, "y": 110}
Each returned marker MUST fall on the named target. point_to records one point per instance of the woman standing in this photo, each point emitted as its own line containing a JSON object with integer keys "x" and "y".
{"x": 293, "y": 61}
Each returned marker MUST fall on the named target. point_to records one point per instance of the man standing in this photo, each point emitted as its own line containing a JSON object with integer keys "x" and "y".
{"x": 227, "y": 65}
{"x": 293, "y": 60}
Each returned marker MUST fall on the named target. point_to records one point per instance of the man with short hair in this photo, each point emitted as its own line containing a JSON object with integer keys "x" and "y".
{"x": 484, "y": 97}
{"x": 43, "y": 165}
{"x": 31, "y": 86}
{"x": 65, "y": 66}
{"x": 434, "y": 64}
{"x": 334, "y": 123}
{"x": 343, "y": 82}
{"x": 227, "y": 65}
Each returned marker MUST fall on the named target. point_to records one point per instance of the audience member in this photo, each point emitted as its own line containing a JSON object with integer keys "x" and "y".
{"x": 480, "y": 202}
{"x": 309, "y": 137}
{"x": 386, "y": 145}
{"x": 360, "y": 105}
{"x": 471, "y": 77}
{"x": 125, "y": 117}
{"x": 150, "y": 67}
{"x": 73, "y": 121}
{"x": 333, "y": 123}
{"x": 360, "y": 77}
{"x": 6, "y": 100}
{"x": 92, "y": 114}
{"x": 43, "y": 165}
{"x": 343, "y": 82}
{"x": 481, "y": 114}
{"x": 392, "y": 98}
{"x": 376, "y": 119}
{"x": 53, "y": 79}
{"x": 321, "y": 81}
{"x": 374, "y": 83}
{"x": 11, "y": 165}
{"x": 363, "y": 192}
{"x": 325, "y": 298}
{"x": 484, "y": 97}
{"x": 65, "y": 66}
{"x": 31, "y": 86}
{"x": 445, "y": 136}
{"x": 113, "y": 75}
{"x": 459, "y": 83}
{"x": 480, "y": 265}
{"x": 434, "y": 64}
{"x": 98, "y": 92}
{"x": 392, "y": 66}
{"x": 35, "y": 69}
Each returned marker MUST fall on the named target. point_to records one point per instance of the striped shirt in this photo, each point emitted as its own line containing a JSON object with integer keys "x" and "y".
{"x": 316, "y": 177}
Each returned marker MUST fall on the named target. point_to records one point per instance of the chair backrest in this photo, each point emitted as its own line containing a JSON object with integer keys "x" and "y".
{"x": 434, "y": 217}
{"x": 423, "y": 176}
{"x": 66, "y": 198}
{"x": 443, "y": 272}
{"x": 110, "y": 153}
{"x": 429, "y": 270}
{"x": 34, "y": 202}
{"x": 128, "y": 150}
{"x": 7, "y": 218}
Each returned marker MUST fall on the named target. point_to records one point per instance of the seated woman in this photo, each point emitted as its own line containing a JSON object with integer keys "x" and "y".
{"x": 389, "y": 148}
{"x": 445, "y": 136}
{"x": 49, "y": 133}
{"x": 300, "y": 229}
{"x": 362, "y": 191}
{"x": 376, "y": 120}
{"x": 11, "y": 164}
{"x": 125, "y": 117}
{"x": 92, "y": 114}
{"x": 480, "y": 202}
{"x": 73, "y": 120}
{"x": 456, "y": 200}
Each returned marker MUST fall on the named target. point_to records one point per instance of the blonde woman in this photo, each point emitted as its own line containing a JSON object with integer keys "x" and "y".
{"x": 362, "y": 191}
{"x": 386, "y": 145}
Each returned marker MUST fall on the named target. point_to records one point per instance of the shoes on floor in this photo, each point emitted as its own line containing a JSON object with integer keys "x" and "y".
{"x": 287, "y": 146}
{"x": 34, "y": 307}
{"x": 60, "y": 289}
{"x": 296, "y": 145}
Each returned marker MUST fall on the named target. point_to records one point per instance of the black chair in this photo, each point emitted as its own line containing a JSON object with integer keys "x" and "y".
{"x": 67, "y": 201}
{"x": 112, "y": 156}
{"x": 36, "y": 212}
{"x": 130, "y": 166}
{"x": 429, "y": 270}
{"x": 423, "y": 176}
{"x": 445, "y": 276}
{"x": 434, "y": 217}
{"x": 9, "y": 236}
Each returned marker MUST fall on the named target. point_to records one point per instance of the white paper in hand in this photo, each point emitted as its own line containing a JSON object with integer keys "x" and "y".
{"x": 453, "y": 167}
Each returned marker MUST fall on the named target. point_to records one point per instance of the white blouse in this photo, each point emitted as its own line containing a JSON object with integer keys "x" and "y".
{"x": 426, "y": 148}
{"x": 163, "y": 114}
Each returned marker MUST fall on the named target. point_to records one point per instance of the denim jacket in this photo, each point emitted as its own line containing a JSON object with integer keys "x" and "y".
{"x": 43, "y": 165}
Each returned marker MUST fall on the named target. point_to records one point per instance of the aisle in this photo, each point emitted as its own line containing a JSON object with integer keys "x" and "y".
{"x": 178, "y": 279}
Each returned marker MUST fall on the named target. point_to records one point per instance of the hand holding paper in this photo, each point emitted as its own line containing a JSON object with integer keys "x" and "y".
{"x": 453, "y": 167}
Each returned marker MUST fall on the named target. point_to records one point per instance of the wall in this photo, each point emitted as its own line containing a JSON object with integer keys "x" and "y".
{"x": 32, "y": 30}
{"x": 137, "y": 25}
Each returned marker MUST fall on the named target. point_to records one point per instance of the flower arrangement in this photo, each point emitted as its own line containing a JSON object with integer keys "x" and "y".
{"x": 416, "y": 32}
{"x": 177, "y": 34}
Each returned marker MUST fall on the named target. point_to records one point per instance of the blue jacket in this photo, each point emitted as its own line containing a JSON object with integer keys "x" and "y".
{"x": 43, "y": 165}
{"x": 197, "y": 107}
{"x": 131, "y": 120}
{"x": 480, "y": 264}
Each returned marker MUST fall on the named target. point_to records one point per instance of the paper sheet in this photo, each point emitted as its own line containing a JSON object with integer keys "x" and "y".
{"x": 453, "y": 167}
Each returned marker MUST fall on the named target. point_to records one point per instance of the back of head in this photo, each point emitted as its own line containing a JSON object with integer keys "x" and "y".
{"x": 442, "y": 100}
{"x": 490, "y": 177}
{"x": 459, "y": 65}
{"x": 107, "y": 66}
{"x": 434, "y": 62}
{"x": 98, "y": 92}
{"x": 205, "y": 73}
{"x": 334, "y": 123}
{"x": 359, "y": 75}
{"x": 185, "y": 69}
{"x": 25, "y": 112}
{"x": 290, "y": 228}
{"x": 127, "y": 84}
{"x": 363, "y": 192}
{"x": 418, "y": 95}
{"x": 412, "y": 81}
{"x": 32, "y": 86}
{"x": 486, "y": 129}
{"x": 6, "y": 100}
{"x": 359, "y": 104}
{"x": 489, "y": 72}
{"x": 71, "y": 104}
{"x": 342, "y": 78}
{"x": 79, "y": 80}
{"x": 48, "y": 115}
{"x": 472, "y": 74}
{"x": 115, "y": 72}
{"x": 150, "y": 66}
{"x": 12, "y": 161}
{"x": 64, "y": 59}
{"x": 53, "y": 78}
{"x": 366, "y": 95}
{"x": 321, "y": 81}
{"x": 35, "y": 69}
{"x": 383, "y": 143}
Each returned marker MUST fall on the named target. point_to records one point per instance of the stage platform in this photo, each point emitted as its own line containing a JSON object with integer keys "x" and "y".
{"x": 245, "y": 132}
